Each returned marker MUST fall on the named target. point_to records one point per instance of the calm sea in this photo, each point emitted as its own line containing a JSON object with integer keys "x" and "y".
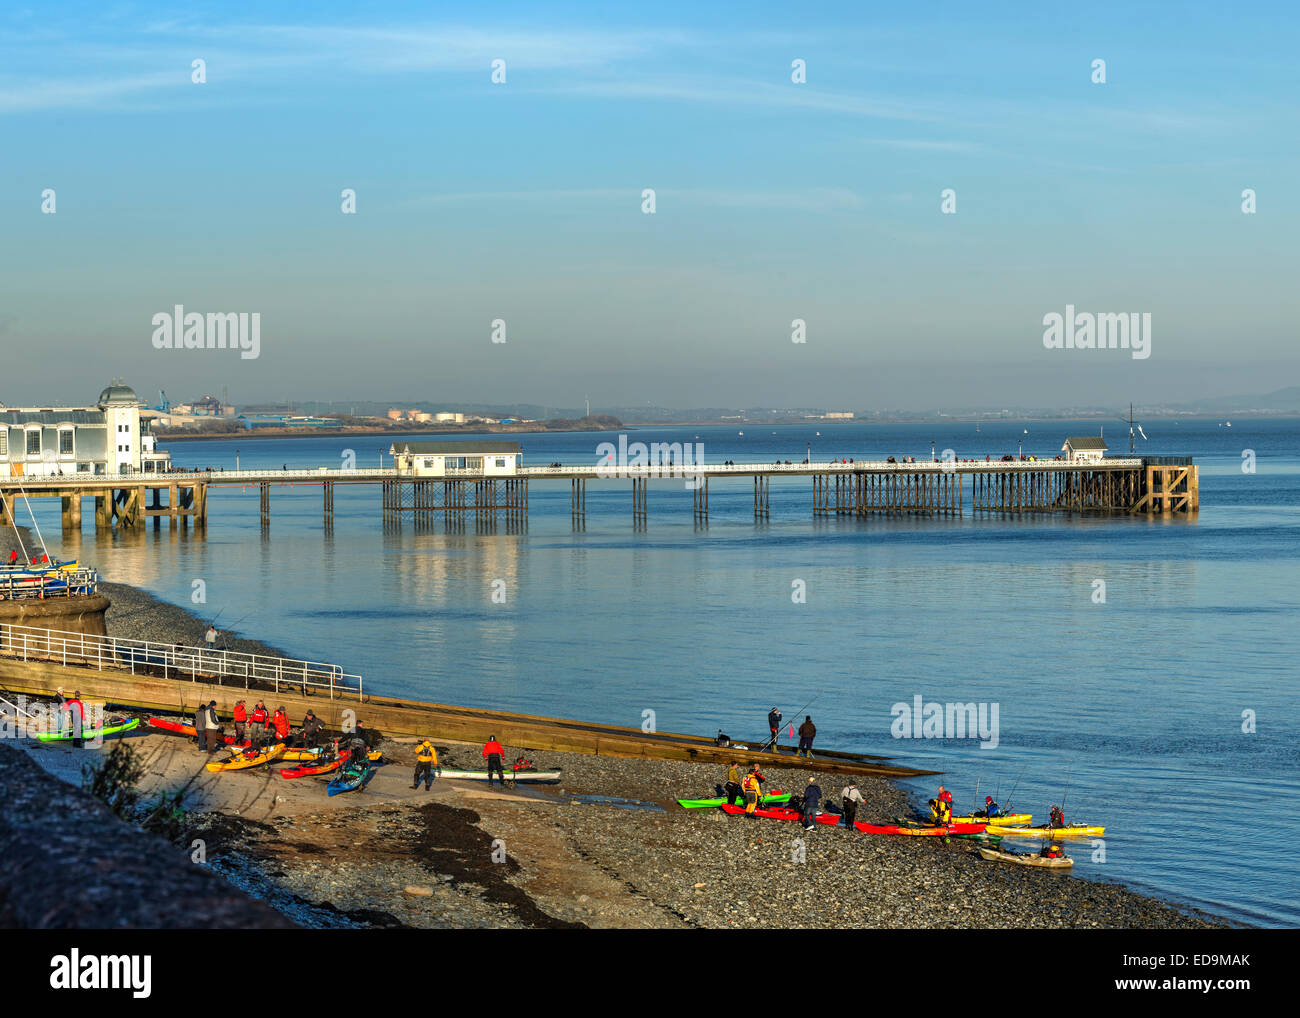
{"x": 1139, "y": 701}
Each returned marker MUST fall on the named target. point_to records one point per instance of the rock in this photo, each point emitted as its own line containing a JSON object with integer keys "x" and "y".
{"x": 418, "y": 890}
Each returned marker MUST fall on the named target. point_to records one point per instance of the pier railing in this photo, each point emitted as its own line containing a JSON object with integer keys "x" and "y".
{"x": 176, "y": 661}
{"x": 51, "y": 583}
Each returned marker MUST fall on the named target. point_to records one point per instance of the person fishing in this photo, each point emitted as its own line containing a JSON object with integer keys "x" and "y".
{"x": 990, "y": 809}
{"x": 812, "y": 797}
{"x": 1056, "y": 817}
{"x": 495, "y": 756}
{"x": 732, "y": 789}
{"x": 773, "y": 726}
{"x": 850, "y": 799}
{"x": 807, "y": 732}
{"x": 426, "y": 762}
{"x": 750, "y": 786}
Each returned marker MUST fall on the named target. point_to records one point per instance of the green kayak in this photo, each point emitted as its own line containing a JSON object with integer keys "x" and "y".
{"x": 770, "y": 799}
{"x": 87, "y": 734}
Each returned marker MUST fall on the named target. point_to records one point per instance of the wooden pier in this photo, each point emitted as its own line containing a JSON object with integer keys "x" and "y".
{"x": 1148, "y": 485}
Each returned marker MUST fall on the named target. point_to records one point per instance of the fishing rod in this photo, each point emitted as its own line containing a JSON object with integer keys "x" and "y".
{"x": 1067, "y": 788}
{"x": 44, "y": 550}
{"x": 1007, "y": 806}
{"x": 975, "y": 802}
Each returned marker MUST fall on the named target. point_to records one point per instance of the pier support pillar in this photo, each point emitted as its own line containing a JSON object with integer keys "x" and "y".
{"x": 264, "y": 506}
{"x": 327, "y": 494}
{"x": 72, "y": 511}
{"x": 762, "y": 503}
{"x": 639, "y": 501}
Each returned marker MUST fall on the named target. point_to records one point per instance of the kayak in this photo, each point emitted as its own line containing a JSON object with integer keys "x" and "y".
{"x": 535, "y": 777}
{"x": 997, "y": 855}
{"x": 321, "y": 766}
{"x": 834, "y": 819}
{"x": 774, "y": 796}
{"x": 350, "y": 781}
{"x": 248, "y": 758}
{"x": 299, "y": 754}
{"x": 98, "y": 733}
{"x": 181, "y": 728}
{"x": 1043, "y": 831}
{"x": 1002, "y": 821}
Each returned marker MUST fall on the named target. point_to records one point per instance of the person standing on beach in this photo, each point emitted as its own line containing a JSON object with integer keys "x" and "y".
{"x": 200, "y": 722}
{"x": 212, "y": 727}
{"x": 774, "y": 726}
{"x": 241, "y": 721}
{"x": 752, "y": 790}
{"x": 495, "y": 756}
{"x": 261, "y": 719}
{"x": 281, "y": 722}
{"x": 850, "y": 797}
{"x": 76, "y": 717}
{"x": 807, "y": 732}
{"x": 426, "y": 762}
{"x": 60, "y": 706}
{"x": 311, "y": 729}
{"x": 812, "y": 797}
{"x": 732, "y": 788}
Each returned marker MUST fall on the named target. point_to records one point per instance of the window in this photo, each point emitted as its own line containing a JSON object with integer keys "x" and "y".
{"x": 65, "y": 442}
{"x": 501, "y": 462}
{"x": 4, "y": 441}
{"x": 33, "y": 443}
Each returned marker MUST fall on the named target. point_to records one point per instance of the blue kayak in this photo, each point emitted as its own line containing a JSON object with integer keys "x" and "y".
{"x": 351, "y": 781}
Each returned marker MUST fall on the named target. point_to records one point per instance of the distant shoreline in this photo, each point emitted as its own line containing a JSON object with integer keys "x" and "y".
{"x": 265, "y": 433}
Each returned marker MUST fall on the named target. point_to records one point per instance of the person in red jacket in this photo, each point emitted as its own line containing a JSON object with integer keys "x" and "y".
{"x": 281, "y": 722}
{"x": 241, "y": 721}
{"x": 495, "y": 755}
{"x": 261, "y": 722}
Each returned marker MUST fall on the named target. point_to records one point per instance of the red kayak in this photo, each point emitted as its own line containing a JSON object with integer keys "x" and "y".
{"x": 834, "y": 819}
{"x": 308, "y": 769}
{"x": 180, "y": 728}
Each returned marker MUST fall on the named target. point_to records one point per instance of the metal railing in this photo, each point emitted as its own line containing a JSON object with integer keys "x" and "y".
{"x": 176, "y": 661}
{"x": 51, "y": 583}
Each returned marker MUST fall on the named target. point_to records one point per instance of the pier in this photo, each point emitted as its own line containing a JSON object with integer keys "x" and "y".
{"x": 1148, "y": 485}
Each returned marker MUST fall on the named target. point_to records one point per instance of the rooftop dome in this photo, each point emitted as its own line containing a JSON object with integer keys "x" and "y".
{"x": 118, "y": 394}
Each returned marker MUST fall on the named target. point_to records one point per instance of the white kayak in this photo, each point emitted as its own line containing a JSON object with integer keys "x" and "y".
{"x": 533, "y": 777}
{"x": 1063, "y": 862}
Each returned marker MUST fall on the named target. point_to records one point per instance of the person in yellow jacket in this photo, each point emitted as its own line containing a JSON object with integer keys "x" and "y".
{"x": 750, "y": 786}
{"x": 426, "y": 763}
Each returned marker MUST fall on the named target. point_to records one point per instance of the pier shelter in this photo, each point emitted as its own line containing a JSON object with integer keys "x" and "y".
{"x": 456, "y": 459}
{"x": 1085, "y": 449}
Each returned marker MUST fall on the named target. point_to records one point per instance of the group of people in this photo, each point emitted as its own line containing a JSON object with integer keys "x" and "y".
{"x": 72, "y": 715}
{"x": 260, "y": 728}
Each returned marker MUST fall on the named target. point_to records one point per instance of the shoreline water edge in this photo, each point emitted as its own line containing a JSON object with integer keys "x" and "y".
{"x": 608, "y": 848}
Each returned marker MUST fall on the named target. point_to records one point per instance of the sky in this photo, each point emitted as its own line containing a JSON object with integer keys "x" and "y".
{"x": 775, "y": 200}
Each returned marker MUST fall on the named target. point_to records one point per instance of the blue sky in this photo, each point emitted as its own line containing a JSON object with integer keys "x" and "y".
{"x": 775, "y": 200}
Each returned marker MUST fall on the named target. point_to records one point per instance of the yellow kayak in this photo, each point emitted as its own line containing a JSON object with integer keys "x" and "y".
{"x": 1010, "y": 818}
{"x": 241, "y": 761}
{"x": 1068, "y": 831}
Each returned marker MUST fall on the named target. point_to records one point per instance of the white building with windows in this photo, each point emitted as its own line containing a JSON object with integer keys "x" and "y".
{"x": 451, "y": 459}
{"x": 1085, "y": 449}
{"x": 107, "y": 438}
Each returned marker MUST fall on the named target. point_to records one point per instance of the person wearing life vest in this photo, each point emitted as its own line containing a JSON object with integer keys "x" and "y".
{"x": 749, "y": 785}
{"x": 261, "y": 718}
{"x": 758, "y": 776}
{"x": 426, "y": 762}
{"x": 495, "y": 755}
{"x": 990, "y": 809}
{"x": 732, "y": 789}
{"x": 241, "y": 720}
{"x": 281, "y": 723}
{"x": 941, "y": 807}
{"x": 1052, "y": 851}
{"x": 1057, "y": 817}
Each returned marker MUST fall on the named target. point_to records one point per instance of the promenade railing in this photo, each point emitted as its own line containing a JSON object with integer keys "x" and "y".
{"x": 178, "y": 661}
